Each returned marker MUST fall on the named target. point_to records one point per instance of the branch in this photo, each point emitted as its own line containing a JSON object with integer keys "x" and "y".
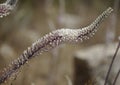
{"x": 7, "y": 7}
{"x": 52, "y": 40}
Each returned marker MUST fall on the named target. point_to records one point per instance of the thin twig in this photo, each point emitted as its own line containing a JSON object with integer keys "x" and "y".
{"x": 114, "y": 82}
{"x": 110, "y": 67}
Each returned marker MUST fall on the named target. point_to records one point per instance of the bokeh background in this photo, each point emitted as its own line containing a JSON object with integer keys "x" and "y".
{"x": 82, "y": 63}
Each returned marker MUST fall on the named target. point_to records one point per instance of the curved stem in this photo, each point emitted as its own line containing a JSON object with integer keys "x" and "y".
{"x": 52, "y": 40}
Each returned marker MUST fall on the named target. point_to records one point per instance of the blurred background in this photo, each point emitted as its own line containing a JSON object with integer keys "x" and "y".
{"x": 82, "y": 63}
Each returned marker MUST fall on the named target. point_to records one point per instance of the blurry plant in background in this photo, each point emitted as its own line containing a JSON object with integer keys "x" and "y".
{"x": 32, "y": 19}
